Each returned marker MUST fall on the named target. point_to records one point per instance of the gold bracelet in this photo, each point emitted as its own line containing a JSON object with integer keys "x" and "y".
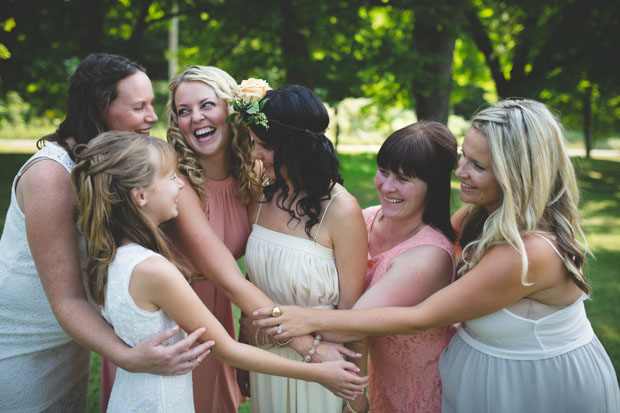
{"x": 266, "y": 342}
{"x": 355, "y": 411}
{"x": 279, "y": 344}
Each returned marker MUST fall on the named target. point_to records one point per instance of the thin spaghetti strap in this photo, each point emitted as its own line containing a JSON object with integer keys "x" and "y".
{"x": 551, "y": 244}
{"x": 260, "y": 205}
{"x": 325, "y": 212}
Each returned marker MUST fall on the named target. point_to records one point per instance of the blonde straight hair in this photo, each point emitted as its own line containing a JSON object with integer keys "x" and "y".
{"x": 538, "y": 182}
{"x": 241, "y": 162}
{"x": 107, "y": 169}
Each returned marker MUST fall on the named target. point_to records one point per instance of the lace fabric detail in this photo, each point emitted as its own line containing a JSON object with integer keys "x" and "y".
{"x": 404, "y": 370}
{"x": 42, "y": 369}
{"x": 140, "y": 391}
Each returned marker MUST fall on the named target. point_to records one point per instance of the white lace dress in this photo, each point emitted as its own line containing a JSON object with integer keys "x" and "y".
{"x": 140, "y": 392}
{"x": 41, "y": 367}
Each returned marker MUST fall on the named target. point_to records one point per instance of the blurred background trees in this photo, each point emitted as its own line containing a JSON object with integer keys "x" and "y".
{"x": 431, "y": 58}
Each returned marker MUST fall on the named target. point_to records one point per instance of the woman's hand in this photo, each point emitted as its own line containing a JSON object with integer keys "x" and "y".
{"x": 328, "y": 351}
{"x": 294, "y": 321}
{"x": 152, "y": 356}
{"x": 340, "y": 377}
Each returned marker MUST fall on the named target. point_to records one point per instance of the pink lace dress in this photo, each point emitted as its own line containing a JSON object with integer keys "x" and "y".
{"x": 214, "y": 382}
{"x": 404, "y": 372}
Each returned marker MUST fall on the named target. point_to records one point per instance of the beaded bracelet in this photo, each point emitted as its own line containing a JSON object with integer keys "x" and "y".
{"x": 312, "y": 351}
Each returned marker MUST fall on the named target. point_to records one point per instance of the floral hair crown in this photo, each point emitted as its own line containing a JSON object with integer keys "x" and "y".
{"x": 248, "y": 103}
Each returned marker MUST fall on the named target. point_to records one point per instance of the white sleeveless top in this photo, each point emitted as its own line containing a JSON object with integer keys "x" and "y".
{"x": 41, "y": 366}
{"x": 509, "y": 363}
{"x": 507, "y": 335}
{"x": 140, "y": 391}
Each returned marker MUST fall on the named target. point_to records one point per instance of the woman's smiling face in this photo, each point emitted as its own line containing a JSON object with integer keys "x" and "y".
{"x": 478, "y": 183}
{"x": 402, "y": 197}
{"x": 202, "y": 118}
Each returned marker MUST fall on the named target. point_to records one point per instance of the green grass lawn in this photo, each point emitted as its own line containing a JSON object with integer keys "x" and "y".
{"x": 600, "y": 183}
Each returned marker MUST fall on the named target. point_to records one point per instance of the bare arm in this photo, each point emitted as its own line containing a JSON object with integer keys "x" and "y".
{"x": 490, "y": 286}
{"x": 167, "y": 288}
{"x": 411, "y": 277}
{"x": 350, "y": 242}
{"x": 46, "y": 197}
{"x": 210, "y": 256}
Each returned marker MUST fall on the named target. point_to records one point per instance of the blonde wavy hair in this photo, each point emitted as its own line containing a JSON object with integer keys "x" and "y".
{"x": 539, "y": 186}
{"x": 107, "y": 169}
{"x": 241, "y": 162}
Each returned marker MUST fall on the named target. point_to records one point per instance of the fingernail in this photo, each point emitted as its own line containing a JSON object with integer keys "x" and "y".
{"x": 255, "y": 313}
{"x": 253, "y": 323}
{"x": 175, "y": 328}
{"x": 358, "y": 354}
{"x": 208, "y": 351}
{"x": 202, "y": 330}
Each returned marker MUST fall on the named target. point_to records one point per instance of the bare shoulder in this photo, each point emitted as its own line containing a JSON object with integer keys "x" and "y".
{"x": 343, "y": 205}
{"x": 46, "y": 184}
{"x": 424, "y": 261}
{"x": 545, "y": 265}
{"x": 46, "y": 173}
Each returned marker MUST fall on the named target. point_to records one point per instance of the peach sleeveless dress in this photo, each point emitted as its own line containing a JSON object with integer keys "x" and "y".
{"x": 404, "y": 370}
{"x": 214, "y": 382}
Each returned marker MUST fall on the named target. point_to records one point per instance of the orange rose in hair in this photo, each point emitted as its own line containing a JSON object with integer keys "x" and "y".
{"x": 254, "y": 88}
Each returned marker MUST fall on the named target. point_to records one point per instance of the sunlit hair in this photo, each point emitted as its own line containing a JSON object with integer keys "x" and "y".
{"x": 108, "y": 168}
{"x": 532, "y": 167}
{"x": 241, "y": 164}
{"x": 427, "y": 151}
{"x": 92, "y": 88}
{"x": 297, "y": 122}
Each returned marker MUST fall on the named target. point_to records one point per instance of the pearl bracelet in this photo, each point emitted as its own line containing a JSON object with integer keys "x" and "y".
{"x": 312, "y": 351}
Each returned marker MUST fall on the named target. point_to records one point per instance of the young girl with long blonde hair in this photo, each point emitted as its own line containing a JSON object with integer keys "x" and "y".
{"x": 126, "y": 186}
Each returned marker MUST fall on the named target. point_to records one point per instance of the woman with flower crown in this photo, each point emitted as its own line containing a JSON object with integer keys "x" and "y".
{"x": 303, "y": 248}
{"x": 215, "y": 161}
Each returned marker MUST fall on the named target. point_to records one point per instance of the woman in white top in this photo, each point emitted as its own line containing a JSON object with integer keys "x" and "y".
{"x": 45, "y": 316}
{"x": 525, "y": 343}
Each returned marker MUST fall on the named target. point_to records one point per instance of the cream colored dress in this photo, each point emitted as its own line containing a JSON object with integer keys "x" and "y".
{"x": 291, "y": 270}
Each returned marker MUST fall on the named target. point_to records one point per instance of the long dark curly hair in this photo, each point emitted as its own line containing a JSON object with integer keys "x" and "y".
{"x": 297, "y": 122}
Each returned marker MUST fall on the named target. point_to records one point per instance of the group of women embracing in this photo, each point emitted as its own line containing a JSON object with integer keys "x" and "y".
{"x": 123, "y": 244}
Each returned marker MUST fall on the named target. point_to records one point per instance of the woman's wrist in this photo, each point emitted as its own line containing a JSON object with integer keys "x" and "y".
{"x": 361, "y": 404}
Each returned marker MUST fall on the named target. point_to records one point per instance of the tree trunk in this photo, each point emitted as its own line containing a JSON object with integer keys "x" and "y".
{"x": 587, "y": 118}
{"x": 295, "y": 50}
{"x": 434, "y": 42}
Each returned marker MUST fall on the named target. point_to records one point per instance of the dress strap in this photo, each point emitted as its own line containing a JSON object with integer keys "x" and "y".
{"x": 260, "y": 205}
{"x": 551, "y": 244}
{"x": 325, "y": 212}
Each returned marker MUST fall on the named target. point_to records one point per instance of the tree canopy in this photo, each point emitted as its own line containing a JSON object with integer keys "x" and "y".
{"x": 436, "y": 57}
